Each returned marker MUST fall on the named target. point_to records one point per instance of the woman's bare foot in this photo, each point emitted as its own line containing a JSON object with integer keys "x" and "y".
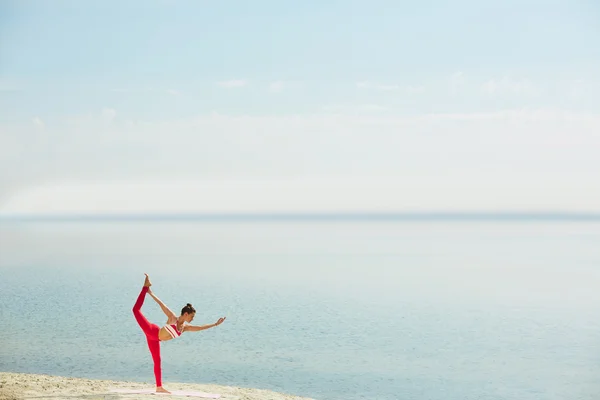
{"x": 147, "y": 281}
{"x": 160, "y": 389}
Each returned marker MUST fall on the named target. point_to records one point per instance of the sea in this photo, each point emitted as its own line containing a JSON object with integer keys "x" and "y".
{"x": 337, "y": 309}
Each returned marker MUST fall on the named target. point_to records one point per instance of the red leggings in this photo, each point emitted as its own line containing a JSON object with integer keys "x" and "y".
{"x": 151, "y": 331}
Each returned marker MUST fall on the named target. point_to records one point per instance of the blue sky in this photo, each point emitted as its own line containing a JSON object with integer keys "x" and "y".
{"x": 413, "y": 94}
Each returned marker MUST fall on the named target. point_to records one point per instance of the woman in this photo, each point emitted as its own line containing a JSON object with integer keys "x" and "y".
{"x": 174, "y": 327}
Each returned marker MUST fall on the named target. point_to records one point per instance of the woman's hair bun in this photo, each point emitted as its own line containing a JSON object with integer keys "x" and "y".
{"x": 188, "y": 309}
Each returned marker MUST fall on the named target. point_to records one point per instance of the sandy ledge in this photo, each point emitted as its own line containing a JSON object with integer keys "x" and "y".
{"x": 17, "y": 386}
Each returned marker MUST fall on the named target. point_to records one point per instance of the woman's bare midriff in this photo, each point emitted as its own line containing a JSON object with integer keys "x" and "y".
{"x": 163, "y": 335}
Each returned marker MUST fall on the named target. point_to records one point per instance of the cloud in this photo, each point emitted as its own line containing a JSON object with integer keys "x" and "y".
{"x": 411, "y": 89}
{"x": 171, "y": 92}
{"x": 351, "y": 109}
{"x": 108, "y": 115}
{"x": 457, "y": 80}
{"x": 276, "y": 87}
{"x": 95, "y": 121}
{"x": 415, "y": 89}
{"x": 577, "y": 88}
{"x": 10, "y": 85}
{"x": 235, "y": 83}
{"x": 506, "y": 85}
{"x": 372, "y": 107}
{"x": 280, "y": 86}
{"x": 511, "y": 159}
{"x": 38, "y": 123}
{"x": 377, "y": 86}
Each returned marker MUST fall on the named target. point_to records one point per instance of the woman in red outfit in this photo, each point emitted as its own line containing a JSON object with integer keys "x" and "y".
{"x": 174, "y": 327}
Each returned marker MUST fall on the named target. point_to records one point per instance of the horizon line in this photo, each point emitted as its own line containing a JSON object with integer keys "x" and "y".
{"x": 308, "y": 216}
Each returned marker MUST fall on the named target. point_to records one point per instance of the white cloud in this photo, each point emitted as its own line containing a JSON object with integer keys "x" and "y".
{"x": 235, "y": 83}
{"x": 507, "y": 85}
{"x": 377, "y": 86}
{"x": 280, "y": 86}
{"x": 171, "y": 92}
{"x": 366, "y": 85}
{"x": 276, "y": 87}
{"x": 469, "y": 190}
{"x": 260, "y": 195}
{"x": 514, "y": 159}
{"x": 354, "y": 109}
{"x": 38, "y": 123}
{"x": 10, "y": 85}
{"x": 577, "y": 88}
{"x": 372, "y": 107}
{"x": 457, "y": 80}
{"x": 108, "y": 115}
{"x": 415, "y": 89}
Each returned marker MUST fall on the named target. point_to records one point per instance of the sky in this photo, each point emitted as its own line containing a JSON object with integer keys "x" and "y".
{"x": 183, "y": 106}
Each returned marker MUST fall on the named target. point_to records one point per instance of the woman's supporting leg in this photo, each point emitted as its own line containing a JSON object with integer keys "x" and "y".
{"x": 151, "y": 330}
{"x": 154, "y": 346}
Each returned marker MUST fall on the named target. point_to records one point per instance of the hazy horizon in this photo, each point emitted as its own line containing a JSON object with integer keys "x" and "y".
{"x": 432, "y": 216}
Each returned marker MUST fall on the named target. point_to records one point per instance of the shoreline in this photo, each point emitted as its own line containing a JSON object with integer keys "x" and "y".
{"x": 17, "y": 386}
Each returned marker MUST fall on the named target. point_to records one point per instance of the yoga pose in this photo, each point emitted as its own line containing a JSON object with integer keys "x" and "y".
{"x": 174, "y": 327}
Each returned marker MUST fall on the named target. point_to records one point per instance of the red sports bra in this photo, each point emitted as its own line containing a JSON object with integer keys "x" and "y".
{"x": 172, "y": 329}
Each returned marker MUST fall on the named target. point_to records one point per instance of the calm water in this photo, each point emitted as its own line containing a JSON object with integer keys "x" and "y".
{"x": 338, "y": 311}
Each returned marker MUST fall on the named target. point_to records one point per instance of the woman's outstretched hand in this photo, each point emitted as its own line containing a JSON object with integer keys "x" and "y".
{"x": 220, "y": 321}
